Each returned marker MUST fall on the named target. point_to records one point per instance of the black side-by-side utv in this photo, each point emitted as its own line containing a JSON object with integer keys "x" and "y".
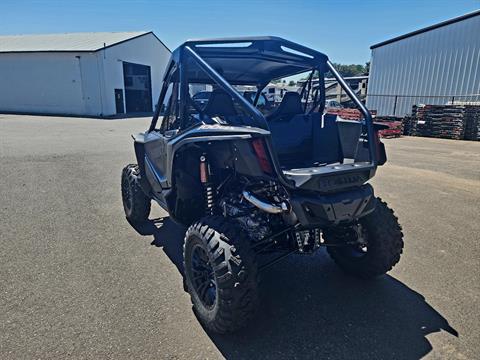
{"x": 255, "y": 187}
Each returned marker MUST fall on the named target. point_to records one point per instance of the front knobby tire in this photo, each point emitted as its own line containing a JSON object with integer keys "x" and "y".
{"x": 384, "y": 245}
{"x": 220, "y": 273}
{"x": 135, "y": 203}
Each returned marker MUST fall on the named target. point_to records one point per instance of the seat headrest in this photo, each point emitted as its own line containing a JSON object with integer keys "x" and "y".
{"x": 220, "y": 104}
{"x": 291, "y": 103}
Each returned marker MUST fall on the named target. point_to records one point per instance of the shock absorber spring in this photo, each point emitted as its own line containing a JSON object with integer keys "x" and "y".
{"x": 209, "y": 200}
{"x": 207, "y": 186}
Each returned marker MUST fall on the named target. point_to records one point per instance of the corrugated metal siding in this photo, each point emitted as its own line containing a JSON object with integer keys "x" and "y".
{"x": 64, "y": 42}
{"x": 440, "y": 62}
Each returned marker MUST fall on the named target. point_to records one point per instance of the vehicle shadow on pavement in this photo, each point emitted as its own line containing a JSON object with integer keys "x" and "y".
{"x": 311, "y": 310}
{"x": 167, "y": 235}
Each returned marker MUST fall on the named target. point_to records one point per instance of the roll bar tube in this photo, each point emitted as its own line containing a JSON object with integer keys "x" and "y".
{"x": 257, "y": 115}
{"x": 163, "y": 90}
{"x": 363, "y": 109}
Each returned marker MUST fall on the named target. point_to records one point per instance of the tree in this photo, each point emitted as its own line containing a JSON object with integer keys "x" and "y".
{"x": 291, "y": 83}
{"x": 316, "y": 75}
{"x": 350, "y": 70}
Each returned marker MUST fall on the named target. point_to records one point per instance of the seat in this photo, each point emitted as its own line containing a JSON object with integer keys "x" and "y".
{"x": 327, "y": 147}
{"x": 290, "y": 106}
{"x": 292, "y": 140}
{"x": 291, "y": 130}
{"x": 220, "y": 104}
{"x": 349, "y": 132}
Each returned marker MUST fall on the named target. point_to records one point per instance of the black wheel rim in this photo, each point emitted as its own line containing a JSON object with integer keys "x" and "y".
{"x": 203, "y": 278}
{"x": 127, "y": 194}
{"x": 355, "y": 251}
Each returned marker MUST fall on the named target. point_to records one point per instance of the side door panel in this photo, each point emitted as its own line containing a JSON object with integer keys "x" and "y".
{"x": 156, "y": 160}
{"x": 156, "y": 139}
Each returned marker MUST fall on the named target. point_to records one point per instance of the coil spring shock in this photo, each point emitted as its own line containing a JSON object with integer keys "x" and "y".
{"x": 207, "y": 186}
{"x": 209, "y": 200}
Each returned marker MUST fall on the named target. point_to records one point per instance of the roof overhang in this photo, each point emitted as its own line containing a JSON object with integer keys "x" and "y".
{"x": 68, "y": 43}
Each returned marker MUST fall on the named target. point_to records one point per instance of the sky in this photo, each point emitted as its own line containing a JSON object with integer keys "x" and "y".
{"x": 344, "y": 29}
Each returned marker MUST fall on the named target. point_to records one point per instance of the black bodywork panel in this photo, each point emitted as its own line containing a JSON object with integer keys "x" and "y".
{"x": 315, "y": 210}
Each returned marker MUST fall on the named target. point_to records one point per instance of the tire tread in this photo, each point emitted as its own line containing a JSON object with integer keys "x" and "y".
{"x": 141, "y": 204}
{"x": 236, "y": 273}
{"x": 386, "y": 236}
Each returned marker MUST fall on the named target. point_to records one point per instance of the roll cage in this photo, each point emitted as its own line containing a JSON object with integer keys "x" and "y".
{"x": 250, "y": 61}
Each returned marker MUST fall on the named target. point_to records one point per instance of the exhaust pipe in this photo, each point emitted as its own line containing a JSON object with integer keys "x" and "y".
{"x": 262, "y": 205}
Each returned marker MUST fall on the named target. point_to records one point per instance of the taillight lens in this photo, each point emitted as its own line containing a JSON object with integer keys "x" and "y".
{"x": 262, "y": 156}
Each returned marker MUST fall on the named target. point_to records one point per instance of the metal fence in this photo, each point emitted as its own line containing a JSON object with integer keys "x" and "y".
{"x": 401, "y": 105}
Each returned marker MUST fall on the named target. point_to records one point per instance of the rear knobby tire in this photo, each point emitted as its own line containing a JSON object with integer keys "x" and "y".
{"x": 135, "y": 203}
{"x": 234, "y": 273}
{"x": 385, "y": 244}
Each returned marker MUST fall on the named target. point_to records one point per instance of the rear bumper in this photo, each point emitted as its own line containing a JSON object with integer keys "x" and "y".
{"x": 325, "y": 210}
{"x": 331, "y": 178}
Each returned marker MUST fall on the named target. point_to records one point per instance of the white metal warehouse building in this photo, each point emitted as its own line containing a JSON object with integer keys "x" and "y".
{"x": 439, "y": 64}
{"x": 85, "y": 74}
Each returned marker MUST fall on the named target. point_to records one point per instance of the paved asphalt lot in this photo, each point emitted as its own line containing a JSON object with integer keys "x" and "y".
{"x": 76, "y": 280}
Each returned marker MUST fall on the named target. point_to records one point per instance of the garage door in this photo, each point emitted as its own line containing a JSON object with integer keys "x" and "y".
{"x": 138, "y": 88}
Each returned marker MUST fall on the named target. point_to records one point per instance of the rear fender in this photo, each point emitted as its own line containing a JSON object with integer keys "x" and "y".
{"x": 139, "y": 146}
{"x": 382, "y": 154}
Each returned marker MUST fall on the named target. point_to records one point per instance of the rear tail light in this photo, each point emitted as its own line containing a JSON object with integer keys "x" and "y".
{"x": 262, "y": 156}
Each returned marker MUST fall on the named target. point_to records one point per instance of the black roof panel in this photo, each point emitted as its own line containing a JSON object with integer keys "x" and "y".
{"x": 253, "y": 60}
